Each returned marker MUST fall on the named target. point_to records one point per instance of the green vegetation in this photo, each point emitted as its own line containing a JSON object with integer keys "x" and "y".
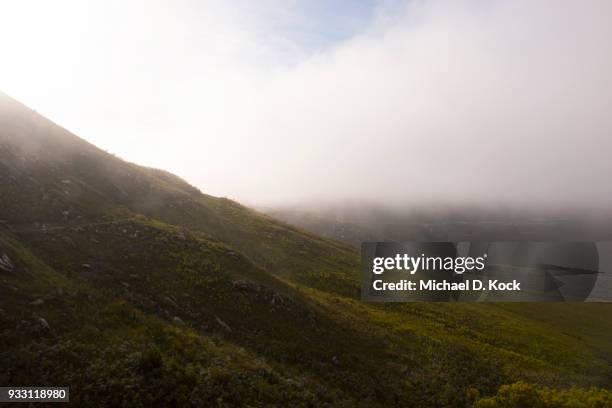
{"x": 135, "y": 289}
{"x": 527, "y": 395}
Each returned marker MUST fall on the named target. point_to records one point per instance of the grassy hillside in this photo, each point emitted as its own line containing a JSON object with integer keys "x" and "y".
{"x": 134, "y": 288}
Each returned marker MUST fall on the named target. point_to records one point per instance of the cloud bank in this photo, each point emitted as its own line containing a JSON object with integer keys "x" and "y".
{"x": 430, "y": 101}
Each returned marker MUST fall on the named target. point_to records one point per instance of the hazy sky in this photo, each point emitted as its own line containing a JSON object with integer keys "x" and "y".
{"x": 279, "y": 101}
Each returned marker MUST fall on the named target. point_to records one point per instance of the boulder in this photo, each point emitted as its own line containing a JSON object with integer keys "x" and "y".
{"x": 277, "y": 300}
{"x": 223, "y": 324}
{"x": 246, "y": 286}
{"x": 69, "y": 241}
{"x": 170, "y": 301}
{"x": 6, "y": 264}
{"x": 44, "y": 324}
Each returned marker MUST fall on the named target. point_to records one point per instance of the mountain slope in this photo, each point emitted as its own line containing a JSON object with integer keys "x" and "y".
{"x": 130, "y": 285}
{"x": 61, "y": 177}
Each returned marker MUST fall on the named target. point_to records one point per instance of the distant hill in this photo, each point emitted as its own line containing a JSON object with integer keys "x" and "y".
{"x": 136, "y": 289}
{"x": 354, "y": 224}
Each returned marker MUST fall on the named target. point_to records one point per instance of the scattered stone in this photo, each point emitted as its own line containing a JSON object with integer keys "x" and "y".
{"x": 86, "y": 266}
{"x": 246, "y": 286}
{"x": 178, "y": 321}
{"x": 134, "y": 276}
{"x": 44, "y": 324}
{"x": 181, "y": 236}
{"x": 295, "y": 383}
{"x": 37, "y": 302}
{"x": 69, "y": 241}
{"x": 312, "y": 318}
{"x": 171, "y": 302}
{"x": 127, "y": 285}
{"x": 277, "y": 300}
{"x": 335, "y": 361}
{"x": 6, "y": 264}
{"x": 66, "y": 182}
{"x": 223, "y": 324}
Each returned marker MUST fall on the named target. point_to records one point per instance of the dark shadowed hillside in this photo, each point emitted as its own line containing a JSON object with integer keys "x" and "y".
{"x": 135, "y": 289}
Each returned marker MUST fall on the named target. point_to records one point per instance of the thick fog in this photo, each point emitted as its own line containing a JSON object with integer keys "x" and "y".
{"x": 428, "y": 101}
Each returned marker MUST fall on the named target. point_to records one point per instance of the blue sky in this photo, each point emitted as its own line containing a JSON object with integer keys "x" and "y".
{"x": 318, "y": 24}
